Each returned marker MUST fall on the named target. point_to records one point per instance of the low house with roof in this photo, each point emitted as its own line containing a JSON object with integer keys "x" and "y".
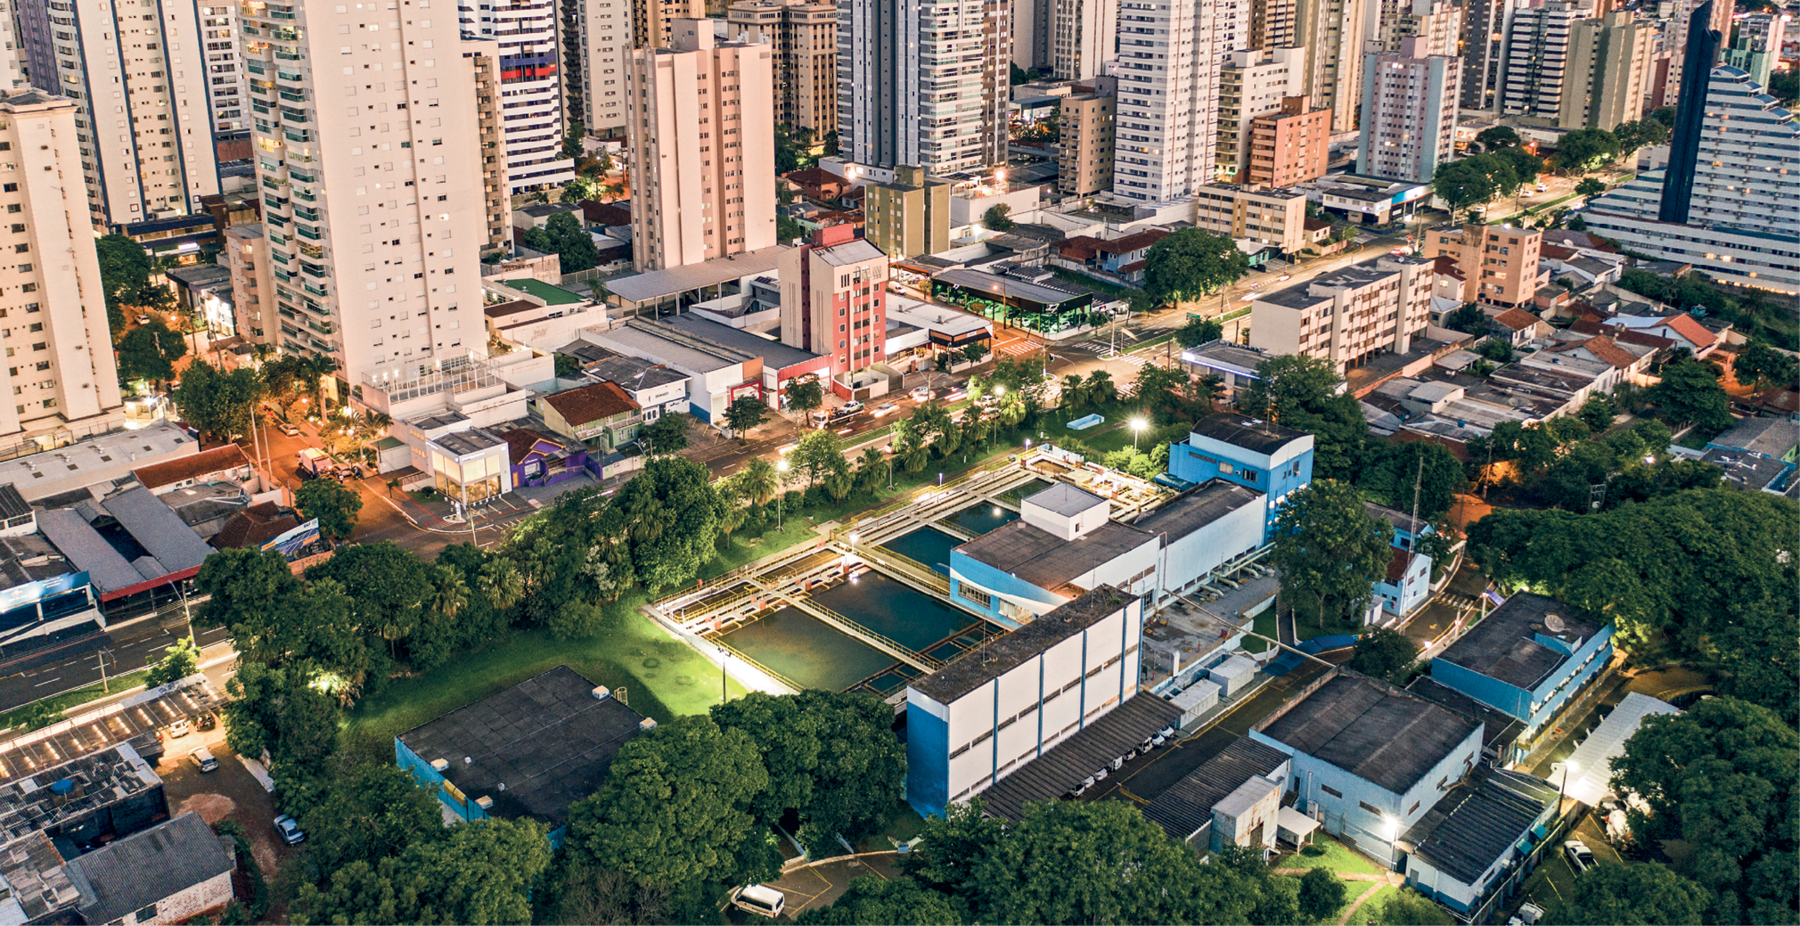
{"x": 1528, "y": 658}
{"x": 1683, "y": 328}
{"x": 1748, "y": 471}
{"x": 174, "y": 872}
{"x": 226, "y": 464}
{"x": 538, "y": 459}
{"x": 1518, "y": 326}
{"x": 470, "y": 466}
{"x": 657, "y": 389}
{"x": 1406, "y": 585}
{"x": 1369, "y": 760}
{"x": 1232, "y": 799}
{"x": 1473, "y": 846}
{"x": 1120, "y": 259}
{"x": 600, "y": 412}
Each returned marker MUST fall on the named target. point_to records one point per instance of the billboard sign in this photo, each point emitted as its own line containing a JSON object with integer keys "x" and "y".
{"x": 290, "y": 543}
{"x": 32, "y": 592}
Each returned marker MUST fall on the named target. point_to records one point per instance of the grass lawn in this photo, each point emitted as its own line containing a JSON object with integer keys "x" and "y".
{"x": 1375, "y": 899}
{"x": 1265, "y": 625}
{"x": 53, "y": 708}
{"x": 1326, "y": 852}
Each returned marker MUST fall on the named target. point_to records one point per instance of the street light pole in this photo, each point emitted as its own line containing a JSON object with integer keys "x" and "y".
{"x": 724, "y": 658}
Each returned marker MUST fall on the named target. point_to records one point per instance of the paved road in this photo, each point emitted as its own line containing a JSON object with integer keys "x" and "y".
{"x": 77, "y": 663}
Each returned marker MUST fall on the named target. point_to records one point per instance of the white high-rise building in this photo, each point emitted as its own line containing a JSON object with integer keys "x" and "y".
{"x": 1252, "y": 82}
{"x": 224, "y": 70}
{"x": 596, "y": 41}
{"x": 1170, "y": 56}
{"x": 1536, "y": 57}
{"x": 59, "y": 360}
{"x": 1675, "y": 37}
{"x": 1085, "y": 34}
{"x": 531, "y": 95}
{"x": 1331, "y": 31}
{"x": 924, "y": 82}
{"x": 1408, "y": 114}
{"x": 136, "y": 69}
{"x": 367, "y": 144}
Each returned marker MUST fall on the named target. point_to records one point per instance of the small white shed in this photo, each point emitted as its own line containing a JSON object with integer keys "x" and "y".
{"x": 1196, "y": 699}
{"x": 1233, "y": 675}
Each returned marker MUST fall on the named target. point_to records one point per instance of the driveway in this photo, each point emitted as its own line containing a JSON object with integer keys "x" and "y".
{"x": 229, "y": 793}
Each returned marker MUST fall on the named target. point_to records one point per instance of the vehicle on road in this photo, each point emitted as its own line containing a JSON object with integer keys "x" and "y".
{"x": 1542, "y": 188}
{"x": 759, "y": 899}
{"x": 288, "y": 429}
{"x": 203, "y": 758}
{"x": 1581, "y": 858}
{"x": 849, "y": 408}
{"x": 885, "y": 409}
{"x": 311, "y": 461}
{"x": 921, "y": 394}
{"x": 1284, "y": 278}
{"x": 1400, "y": 252}
{"x": 290, "y": 831}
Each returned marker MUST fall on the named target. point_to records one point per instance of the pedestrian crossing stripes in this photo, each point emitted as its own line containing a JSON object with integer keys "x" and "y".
{"x": 1020, "y": 348}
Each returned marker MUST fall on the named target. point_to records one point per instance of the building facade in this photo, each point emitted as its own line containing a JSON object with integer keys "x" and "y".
{"x": 224, "y": 67}
{"x": 596, "y": 36}
{"x": 834, "y": 299}
{"x": 1527, "y": 659}
{"x": 1291, "y": 145}
{"x": 1609, "y": 71}
{"x": 246, "y": 255}
{"x": 1273, "y": 24}
{"x": 804, "y": 34}
{"x": 1348, "y": 315}
{"x": 1275, "y": 218}
{"x": 146, "y": 121}
{"x": 1170, "y": 53}
{"x": 60, "y": 361}
{"x": 924, "y": 83}
{"x": 1088, "y": 128}
{"x": 1676, "y": 31}
{"x": 1499, "y": 262}
{"x": 910, "y": 216}
{"x": 1409, "y": 116}
{"x": 1483, "y": 53}
{"x": 1250, "y": 452}
{"x": 531, "y": 91}
{"x": 1758, "y": 45}
{"x": 389, "y": 281}
{"x": 1331, "y": 33}
{"x": 653, "y": 21}
{"x": 496, "y": 189}
{"x": 1251, "y": 83}
{"x": 702, "y": 131}
{"x": 1084, "y": 35}
{"x": 1537, "y": 58}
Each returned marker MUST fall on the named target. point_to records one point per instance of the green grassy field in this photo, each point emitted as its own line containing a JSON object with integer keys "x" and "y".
{"x": 1265, "y": 625}
{"x": 1326, "y": 852}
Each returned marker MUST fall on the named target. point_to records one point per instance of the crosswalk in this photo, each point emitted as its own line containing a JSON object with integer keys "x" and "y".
{"x": 1020, "y": 348}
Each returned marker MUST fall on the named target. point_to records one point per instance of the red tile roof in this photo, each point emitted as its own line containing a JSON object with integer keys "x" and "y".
{"x": 254, "y": 526}
{"x": 1603, "y": 349}
{"x": 1644, "y": 338}
{"x": 591, "y": 403}
{"x": 1556, "y": 252}
{"x": 1685, "y": 325}
{"x": 1589, "y": 324}
{"x": 1396, "y": 568}
{"x": 1517, "y": 319}
{"x": 205, "y": 463}
{"x": 521, "y": 442}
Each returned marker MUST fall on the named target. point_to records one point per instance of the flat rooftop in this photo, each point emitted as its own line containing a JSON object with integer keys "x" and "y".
{"x": 659, "y": 284}
{"x": 1371, "y": 730}
{"x": 534, "y": 748}
{"x": 1197, "y": 508}
{"x": 1504, "y": 645}
{"x": 1253, "y": 434}
{"x": 552, "y": 295}
{"x": 1010, "y": 287}
{"x": 1002, "y": 654}
{"x": 774, "y": 353}
{"x": 1479, "y": 821}
{"x": 1498, "y": 728}
{"x": 1187, "y": 806}
{"x": 30, "y": 805}
{"x": 1047, "y": 561}
{"x": 103, "y": 728}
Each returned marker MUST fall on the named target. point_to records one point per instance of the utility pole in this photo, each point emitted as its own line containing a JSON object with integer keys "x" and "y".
{"x": 100, "y": 657}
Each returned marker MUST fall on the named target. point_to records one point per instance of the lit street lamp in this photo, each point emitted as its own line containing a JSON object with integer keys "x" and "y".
{"x": 1137, "y": 427}
{"x": 780, "y": 491}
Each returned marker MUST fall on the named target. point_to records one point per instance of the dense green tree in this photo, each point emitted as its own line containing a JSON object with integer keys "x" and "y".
{"x": 671, "y": 514}
{"x": 586, "y": 895}
{"x": 1396, "y": 474}
{"x": 875, "y": 901}
{"x": 581, "y": 188}
{"x": 1498, "y": 137}
{"x": 1306, "y": 393}
{"x": 241, "y": 584}
{"x": 1329, "y": 549}
{"x": 125, "y": 279}
{"x": 746, "y": 412}
{"x": 1784, "y": 85}
{"x": 1590, "y": 187}
{"x": 1407, "y": 908}
{"x": 667, "y": 434}
{"x": 1321, "y": 894}
{"x": 375, "y": 811}
{"x": 1632, "y": 894}
{"x": 564, "y": 236}
{"x": 677, "y": 808}
{"x": 479, "y": 874}
{"x": 218, "y": 403}
{"x": 1525, "y": 165}
{"x": 473, "y": 593}
{"x": 817, "y": 454}
{"x": 333, "y": 503}
{"x": 179, "y": 661}
{"x": 1169, "y": 394}
{"x": 804, "y": 395}
{"x": 576, "y": 550}
{"x": 998, "y": 218}
{"x": 1469, "y": 320}
{"x": 282, "y": 711}
{"x": 149, "y": 351}
{"x": 1584, "y": 150}
{"x": 1598, "y": 412}
{"x": 1192, "y": 263}
{"x": 787, "y": 229}
{"x": 1197, "y": 331}
{"x": 1759, "y": 365}
{"x": 761, "y": 481}
{"x": 1473, "y": 180}
{"x": 389, "y": 587}
{"x": 1690, "y": 393}
{"x": 1757, "y": 659}
{"x": 1634, "y": 135}
{"x": 1386, "y": 654}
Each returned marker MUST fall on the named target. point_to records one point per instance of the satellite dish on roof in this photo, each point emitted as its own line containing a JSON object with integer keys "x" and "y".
{"x": 1553, "y": 623}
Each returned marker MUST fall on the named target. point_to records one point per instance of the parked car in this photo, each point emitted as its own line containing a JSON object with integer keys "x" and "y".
{"x": 1529, "y": 914}
{"x": 207, "y": 721}
{"x": 181, "y": 728}
{"x": 203, "y": 758}
{"x": 759, "y": 899}
{"x": 289, "y": 828}
{"x": 288, "y": 429}
{"x": 921, "y": 394}
{"x": 1543, "y": 188}
{"x": 1581, "y": 858}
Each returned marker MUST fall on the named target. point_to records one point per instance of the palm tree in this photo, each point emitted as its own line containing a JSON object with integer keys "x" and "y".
{"x": 1208, "y": 388}
{"x": 914, "y": 458}
{"x": 501, "y": 583}
{"x": 760, "y": 480}
{"x": 451, "y": 593}
{"x": 1073, "y": 391}
{"x": 1100, "y": 388}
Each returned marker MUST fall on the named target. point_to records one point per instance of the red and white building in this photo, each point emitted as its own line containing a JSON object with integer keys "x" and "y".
{"x": 834, "y": 303}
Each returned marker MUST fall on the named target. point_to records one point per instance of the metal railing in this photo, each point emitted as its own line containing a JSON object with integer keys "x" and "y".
{"x": 880, "y": 641}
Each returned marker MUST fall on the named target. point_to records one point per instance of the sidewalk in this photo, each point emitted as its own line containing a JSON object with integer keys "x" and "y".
{"x": 437, "y": 515}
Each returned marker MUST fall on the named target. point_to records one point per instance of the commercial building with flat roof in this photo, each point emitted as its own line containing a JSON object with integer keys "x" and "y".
{"x": 1371, "y": 759}
{"x": 1499, "y": 263}
{"x": 1191, "y": 807}
{"x": 1348, "y": 315}
{"x": 1528, "y": 658}
{"x": 525, "y": 752}
{"x": 1258, "y": 455}
{"x": 1005, "y": 703}
{"x": 1468, "y": 848}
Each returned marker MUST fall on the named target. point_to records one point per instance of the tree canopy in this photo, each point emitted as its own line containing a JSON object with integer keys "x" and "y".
{"x": 1304, "y": 393}
{"x": 1584, "y": 150}
{"x": 1394, "y": 474}
{"x": 1632, "y": 894}
{"x": 216, "y": 402}
{"x": 746, "y": 412}
{"x": 1386, "y": 654}
{"x": 333, "y": 503}
{"x": 1690, "y": 393}
{"x": 1329, "y": 549}
{"x": 1192, "y": 263}
{"x": 1758, "y": 364}
{"x": 149, "y": 352}
{"x": 480, "y": 874}
{"x": 1472, "y": 180}
{"x": 564, "y": 236}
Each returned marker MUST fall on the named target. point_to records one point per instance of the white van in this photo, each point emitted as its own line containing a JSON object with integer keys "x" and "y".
{"x": 760, "y": 900}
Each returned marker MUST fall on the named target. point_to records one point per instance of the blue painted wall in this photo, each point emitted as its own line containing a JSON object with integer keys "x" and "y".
{"x": 468, "y": 810}
{"x": 1199, "y": 459}
{"x": 964, "y": 568}
{"x": 1550, "y": 695}
{"x": 1412, "y": 591}
{"x": 927, "y": 761}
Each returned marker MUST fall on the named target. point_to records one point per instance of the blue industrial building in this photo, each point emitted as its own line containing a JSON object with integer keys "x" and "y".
{"x": 528, "y": 751}
{"x": 1369, "y": 759}
{"x": 1526, "y": 659}
{"x": 1259, "y": 455}
{"x": 1407, "y": 583}
{"x": 1475, "y": 844}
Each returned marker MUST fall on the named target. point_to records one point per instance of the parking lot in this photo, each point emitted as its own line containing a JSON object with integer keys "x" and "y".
{"x": 228, "y": 793}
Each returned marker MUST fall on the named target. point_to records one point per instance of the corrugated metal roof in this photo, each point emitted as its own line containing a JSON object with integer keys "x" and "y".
{"x": 675, "y": 280}
{"x": 1092, "y": 748}
{"x": 1592, "y": 759}
{"x": 1187, "y": 806}
{"x": 159, "y": 529}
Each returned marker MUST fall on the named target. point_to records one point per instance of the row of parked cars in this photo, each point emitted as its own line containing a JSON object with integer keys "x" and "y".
{"x": 1151, "y": 742}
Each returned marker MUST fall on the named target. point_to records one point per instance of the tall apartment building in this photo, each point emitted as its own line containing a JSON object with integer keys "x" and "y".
{"x": 1276, "y": 218}
{"x": 910, "y": 216}
{"x": 834, "y": 300}
{"x": 1675, "y": 38}
{"x": 1085, "y": 35}
{"x": 145, "y": 127}
{"x": 702, "y": 133}
{"x": 653, "y": 21}
{"x": 1757, "y": 45}
{"x": 1536, "y": 57}
{"x": 483, "y": 59}
{"x": 596, "y": 38}
{"x": 1408, "y": 115}
{"x": 224, "y": 69}
{"x": 1484, "y": 38}
{"x": 924, "y": 82}
{"x": 371, "y": 111}
{"x": 1331, "y": 33}
{"x": 246, "y": 255}
{"x": 1348, "y": 315}
{"x": 1274, "y": 24}
{"x": 1435, "y": 21}
{"x": 1609, "y": 71}
{"x": 804, "y": 33}
{"x": 1499, "y": 263}
{"x": 59, "y": 364}
{"x": 1032, "y": 21}
{"x": 531, "y": 90}
{"x": 1170, "y": 54}
{"x": 1291, "y": 145}
{"x": 1088, "y": 124}
{"x": 1742, "y": 221}
{"x": 1252, "y": 82}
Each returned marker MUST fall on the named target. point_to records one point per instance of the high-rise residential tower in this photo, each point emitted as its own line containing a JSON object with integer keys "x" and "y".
{"x": 596, "y": 37}
{"x": 1085, "y": 35}
{"x": 146, "y": 118}
{"x": 1536, "y": 55}
{"x": 1408, "y": 115}
{"x": 1758, "y": 45}
{"x": 1331, "y": 33}
{"x": 368, "y": 151}
{"x": 1273, "y": 24}
{"x": 1252, "y": 82}
{"x": 224, "y": 70}
{"x": 834, "y": 300}
{"x": 702, "y": 132}
{"x": 59, "y": 359}
{"x": 1088, "y": 125}
{"x": 531, "y": 91}
{"x": 1484, "y": 37}
{"x": 1609, "y": 71}
{"x": 1170, "y": 55}
{"x": 924, "y": 82}
{"x": 653, "y": 21}
{"x": 804, "y": 33}
{"x": 1675, "y": 39}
